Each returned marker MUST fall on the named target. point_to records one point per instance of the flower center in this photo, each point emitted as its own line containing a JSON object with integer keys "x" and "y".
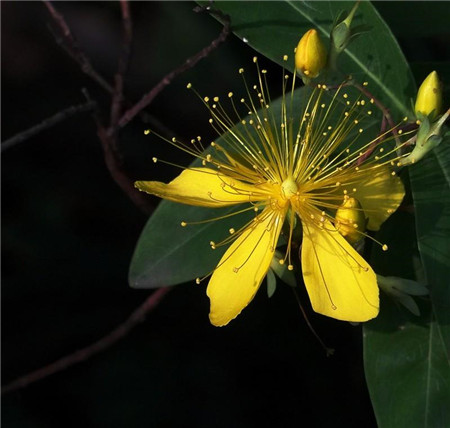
{"x": 289, "y": 188}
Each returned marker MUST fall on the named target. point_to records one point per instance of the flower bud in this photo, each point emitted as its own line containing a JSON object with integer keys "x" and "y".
{"x": 311, "y": 54}
{"x": 429, "y": 96}
{"x": 341, "y": 33}
{"x": 350, "y": 220}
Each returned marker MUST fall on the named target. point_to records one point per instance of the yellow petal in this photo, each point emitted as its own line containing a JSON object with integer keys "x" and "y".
{"x": 380, "y": 194}
{"x": 339, "y": 281}
{"x": 203, "y": 187}
{"x": 244, "y": 265}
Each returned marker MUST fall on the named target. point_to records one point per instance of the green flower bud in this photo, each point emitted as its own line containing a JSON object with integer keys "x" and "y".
{"x": 429, "y": 96}
{"x": 350, "y": 220}
{"x": 310, "y": 55}
{"x": 341, "y": 33}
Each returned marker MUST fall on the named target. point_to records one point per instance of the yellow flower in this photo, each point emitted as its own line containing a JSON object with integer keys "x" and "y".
{"x": 305, "y": 167}
{"x": 429, "y": 96}
{"x": 310, "y": 55}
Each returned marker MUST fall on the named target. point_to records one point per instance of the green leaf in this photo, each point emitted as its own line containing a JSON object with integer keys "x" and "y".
{"x": 274, "y": 29}
{"x": 408, "y": 369}
{"x": 430, "y": 179}
{"x": 406, "y": 364}
{"x": 168, "y": 254}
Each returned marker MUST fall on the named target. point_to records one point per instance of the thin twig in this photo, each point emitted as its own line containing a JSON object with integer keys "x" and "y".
{"x": 124, "y": 60}
{"x": 189, "y": 63}
{"x": 83, "y": 354}
{"x": 113, "y": 162}
{"x": 48, "y": 123}
{"x": 70, "y": 45}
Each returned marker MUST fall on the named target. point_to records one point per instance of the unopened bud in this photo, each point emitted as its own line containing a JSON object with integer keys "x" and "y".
{"x": 311, "y": 55}
{"x": 341, "y": 33}
{"x": 429, "y": 96}
{"x": 350, "y": 220}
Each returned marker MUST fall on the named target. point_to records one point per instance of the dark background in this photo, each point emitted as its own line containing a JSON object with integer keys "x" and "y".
{"x": 68, "y": 234}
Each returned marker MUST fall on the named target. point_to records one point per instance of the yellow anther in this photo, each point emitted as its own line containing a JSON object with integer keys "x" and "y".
{"x": 183, "y": 224}
{"x": 147, "y": 131}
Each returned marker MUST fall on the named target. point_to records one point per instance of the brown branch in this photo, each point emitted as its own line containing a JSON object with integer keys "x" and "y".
{"x": 48, "y": 123}
{"x": 70, "y": 45}
{"x": 189, "y": 63}
{"x": 124, "y": 60}
{"x": 113, "y": 162}
{"x": 83, "y": 354}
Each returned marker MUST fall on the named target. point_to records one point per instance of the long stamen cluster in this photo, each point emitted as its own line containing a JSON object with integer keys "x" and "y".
{"x": 306, "y": 157}
{"x": 317, "y": 151}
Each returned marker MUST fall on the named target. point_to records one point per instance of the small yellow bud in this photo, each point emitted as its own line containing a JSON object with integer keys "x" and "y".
{"x": 429, "y": 96}
{"x": 310, "y": 55}
{"x": 350, "y": 220}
